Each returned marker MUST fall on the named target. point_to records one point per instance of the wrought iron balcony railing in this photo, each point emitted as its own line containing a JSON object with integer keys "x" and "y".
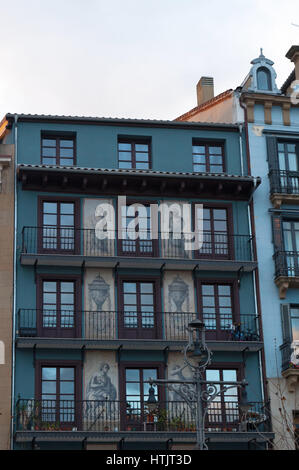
{"x": 286, "y": 263}
{"x": 84, "y": 242}
{"x": 284, "y": 182}
{"x": 116, "y": 416}
{"x": 112, "y": 325}
{"x": 286, "y": 353}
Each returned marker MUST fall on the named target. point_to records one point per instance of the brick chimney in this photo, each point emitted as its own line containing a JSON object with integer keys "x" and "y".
{"x": 205, "y": 89}
{"x": 293, "y": 55}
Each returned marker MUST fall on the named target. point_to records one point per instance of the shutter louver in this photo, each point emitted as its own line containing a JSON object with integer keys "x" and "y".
{"x": 272, "y": 152}
{"x": 286, "y": 323}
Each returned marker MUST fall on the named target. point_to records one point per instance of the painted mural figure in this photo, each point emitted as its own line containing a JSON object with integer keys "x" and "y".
{"x": 99, "y": 324}
{"x": 100, "y": 386}
{"x": 178, "y": 301}
{"x": 102, "y": 393}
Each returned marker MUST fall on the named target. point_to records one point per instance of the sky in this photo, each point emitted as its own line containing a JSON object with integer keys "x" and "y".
{"x": 134, "y": 58}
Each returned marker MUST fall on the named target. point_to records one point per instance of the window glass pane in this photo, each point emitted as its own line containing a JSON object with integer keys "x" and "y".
{"x": 282, "y": 161}
{"x": 49, "y": 152}
{"x": 49, "y": 142}
{"x": 67, "y": 387}
{"x": 224, "y": 301}
{"x": 124, "y": 156}
{"x": 229, "y": 375}
{"x": 141, "y": 147}
{"x": 219, "y": 214}
{"x": 208, "y": 301}
{"x": 49, "y": 298}
{"x": 224, "y": 290}
{"x": 207, "y": 289}
{"x": 67, "y": 143}
{"x": 146, "y": 288}
{"x": 124, "y": 146}
{"x": 291, "y": 148}
{"x": 141, "y": 157}
{"x": 48, "y": 387}
{"x": 220, "y": 226}
{"x": 216, "y": 169}
{"x": 215, "y": 150}
{"x": 67, "y": 287}
{"x": 293, "y": 164}
{"x": 67, "y": 220}
{"x": 50, "y": 207}
{"x": 49, "y": 161}
{"x": 198, "y": 149}
{"x": 146, "y": 299}
{"x": 216, "y": 160}
{"x": 130, "y": 299}
{"x": 142, "y": 166}
{"x": 129, "y": 287}
{"x": 125, "y": 165}
{"x": 213, "y": 375}
{"x": 280, "y": 146}
{"x": 67, "y": 208}
{"x": 49, "y": 373}
{"x": 132, "y": 374}
{"x": 199, "y": 159}
{"x": 67, "y": 299}
{"x": 66, "y": 153}
{"x": 49, "y": 286}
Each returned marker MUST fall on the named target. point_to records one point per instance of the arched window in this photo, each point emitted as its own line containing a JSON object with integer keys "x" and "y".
{"x": 264, "y": 79}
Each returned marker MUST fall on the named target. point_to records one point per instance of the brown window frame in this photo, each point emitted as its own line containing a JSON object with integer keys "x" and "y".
{"x": 207, "y": 145}
{"x": 59, "y": 138}
{"x": 139, "y": 333}
{"x": 77, "y": 224}
{"x": 138, "y": 252}
{"x": 161, "y": 368}
{"x": 135, "y": 141}
{"x": 75, "y": 332}
{"x": 77, "y": 365}
{"x": 240, "y": 375}
{"x": 230, "y": 232}
{"x": 219, "y": 334}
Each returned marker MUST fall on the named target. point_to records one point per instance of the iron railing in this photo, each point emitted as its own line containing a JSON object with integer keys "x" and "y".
{"x": 110, "y": 325}
{"x": 286, "y": 263}
{"x": 114, "y": 415}
{"x": 284, "y": 182}
{"x": 84, "y": 242}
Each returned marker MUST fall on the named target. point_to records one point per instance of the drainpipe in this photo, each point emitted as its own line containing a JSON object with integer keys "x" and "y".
{"x": 14, "y": 283}
{"x": 241, "y": 147}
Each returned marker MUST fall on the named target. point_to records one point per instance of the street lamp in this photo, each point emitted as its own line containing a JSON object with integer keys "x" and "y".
{"x": 196, "y": 391}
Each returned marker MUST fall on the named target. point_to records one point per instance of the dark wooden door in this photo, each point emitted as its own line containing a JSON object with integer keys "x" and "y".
{"x": 138, "y": 318}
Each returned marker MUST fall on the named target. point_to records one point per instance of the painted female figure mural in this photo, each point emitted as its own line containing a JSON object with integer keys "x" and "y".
{"x": 101, "y": 393}
{"x": 100, "y": 386}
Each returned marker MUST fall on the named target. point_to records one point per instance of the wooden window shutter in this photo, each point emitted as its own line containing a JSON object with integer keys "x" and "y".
{"x": 272, "y": 152}
{"x": 286, "y": 323}
{"x": 277, "y": 232}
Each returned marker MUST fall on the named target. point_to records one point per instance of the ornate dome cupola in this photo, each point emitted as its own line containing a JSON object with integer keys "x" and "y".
{"x": 263, "y": 76}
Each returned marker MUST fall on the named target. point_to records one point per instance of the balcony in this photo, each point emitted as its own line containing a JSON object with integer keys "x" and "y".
{"x": 290, "y": 364}
{"x": 110, "y": 329}
{"x": 73, "y": 247}
{"x": 284, "y": 187}
{"x": 69, "y": 420}
{"x": 286, "y": 270}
